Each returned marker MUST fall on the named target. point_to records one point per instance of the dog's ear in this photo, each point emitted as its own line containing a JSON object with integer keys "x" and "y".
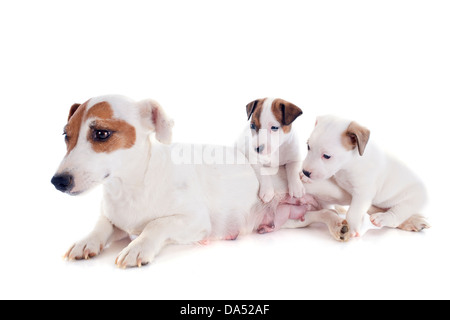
{"x": 289, "y": 112}
{"x": 251, "y": 108}
{"x": 358, "y": 136}
{"x": 154, "y": 118}
{"x": 73, "y": 109}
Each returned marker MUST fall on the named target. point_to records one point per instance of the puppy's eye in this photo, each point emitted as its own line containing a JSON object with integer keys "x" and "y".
{"x": 101, "y": 135}
{"x": 325, "y": 156}
{"x": 309, "y": 149}
{"x": 274, "y": 129}
{"x": 66, "y": 137}
{"x": 252, "y": 126}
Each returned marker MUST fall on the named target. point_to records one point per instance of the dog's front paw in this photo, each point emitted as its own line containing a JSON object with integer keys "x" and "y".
{"x": 136, "y": 254}
{"x": 266, "y": 194}
{"x": 296, "y": 189}
{"x": 84, "y": 249}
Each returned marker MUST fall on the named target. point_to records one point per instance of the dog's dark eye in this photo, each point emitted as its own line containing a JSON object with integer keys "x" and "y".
{"x": 101, "y": 135}
{"x": 309, "y": 149}
{"x": 252, "y": 126}
{"x": 325, "y": 156}
{"x": 275, "y": 129}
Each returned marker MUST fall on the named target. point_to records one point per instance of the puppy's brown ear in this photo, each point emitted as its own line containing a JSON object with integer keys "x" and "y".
{"x": 251, "y": 108}
{"x": 288, "y": 111}
{"x": 357, "y": 136}
{"x": 73, "y": 109}
{"x": 154, "y": 118}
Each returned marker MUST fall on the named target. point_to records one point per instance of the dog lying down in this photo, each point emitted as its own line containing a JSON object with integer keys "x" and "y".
{"x": 152, "y": 192}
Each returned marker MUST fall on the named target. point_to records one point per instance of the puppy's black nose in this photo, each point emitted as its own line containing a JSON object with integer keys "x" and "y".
{"x": 307, "y": 173}
{"x": 63, "y": 182}
{"x": 260, "y": 148}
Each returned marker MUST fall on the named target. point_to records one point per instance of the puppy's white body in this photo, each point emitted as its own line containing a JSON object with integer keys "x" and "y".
{"x": 379, "y": 183}
{"x": 274, "y": 143}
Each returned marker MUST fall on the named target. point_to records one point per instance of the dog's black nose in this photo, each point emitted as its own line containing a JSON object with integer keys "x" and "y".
{"x": 307, "y": 173}
{"x": 63, "y": 182}
{"x": 259, "y": 149}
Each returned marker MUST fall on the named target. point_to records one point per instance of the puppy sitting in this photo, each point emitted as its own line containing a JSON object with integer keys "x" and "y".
{"x": 378, "y": 183}
{"x": 274, "y": 144}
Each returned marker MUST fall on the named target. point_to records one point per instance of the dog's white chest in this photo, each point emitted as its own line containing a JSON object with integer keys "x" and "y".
{"x": 131, "y": 208}
{"x": 344, "y": 181}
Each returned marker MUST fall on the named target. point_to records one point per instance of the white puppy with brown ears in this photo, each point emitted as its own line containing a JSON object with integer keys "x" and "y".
{"x": 274, "y": 144}
{"x": 378, "y": 183}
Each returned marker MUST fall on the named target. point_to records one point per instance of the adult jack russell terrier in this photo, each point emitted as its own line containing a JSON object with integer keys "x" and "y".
{"x": 148, "y": 194}
{"x": 378, "y": 183}
{"x": 274, "y": 143}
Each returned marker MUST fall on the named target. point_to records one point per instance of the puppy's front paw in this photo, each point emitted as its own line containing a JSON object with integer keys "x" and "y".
{"x": 354, "y": 233}
{"x": 266, "y": 194}
{"x": 84, "y": 249}
{"x": 136, "y": 254}
{"x": 296, "y": 189}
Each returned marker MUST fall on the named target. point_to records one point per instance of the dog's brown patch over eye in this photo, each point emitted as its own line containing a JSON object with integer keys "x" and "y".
{"x": 100, "y": 110}
{"x": 108, "y": 134}
{"x": 254, "y": 110}
{"x": 72, "y": 129}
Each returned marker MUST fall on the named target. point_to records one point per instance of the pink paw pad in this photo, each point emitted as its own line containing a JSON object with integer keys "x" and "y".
{"x": 265, "y": 228}
{"x": 204, "y": 242}
{"x": 372, "y": 219}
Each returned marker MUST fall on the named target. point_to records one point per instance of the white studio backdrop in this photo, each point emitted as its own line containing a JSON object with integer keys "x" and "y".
{"x": 383, "y": 63}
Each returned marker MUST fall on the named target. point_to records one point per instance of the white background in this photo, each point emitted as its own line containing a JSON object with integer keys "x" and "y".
{"x": 383, "y": 63}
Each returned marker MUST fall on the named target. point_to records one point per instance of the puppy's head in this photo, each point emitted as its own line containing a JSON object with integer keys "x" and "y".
{"x": 104, "y": 137}
{"x": 333, "y": 143}
{"x": 270, "y": 123}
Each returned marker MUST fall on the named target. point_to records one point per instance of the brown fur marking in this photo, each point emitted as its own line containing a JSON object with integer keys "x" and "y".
{"x": 100, "y": 110}
{"x": 355, "y": 136}
{"x": 73, "y": 126}
{"x": 255, "y": 108}
{"x": 123, "y": 135}
{"x": 285, "y": 113}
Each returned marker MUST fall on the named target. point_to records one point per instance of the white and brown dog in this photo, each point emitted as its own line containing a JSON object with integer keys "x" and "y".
{"x": 274, "y": 143}
{"x": 378, "y": 183}
{"x": 147, "y": 193}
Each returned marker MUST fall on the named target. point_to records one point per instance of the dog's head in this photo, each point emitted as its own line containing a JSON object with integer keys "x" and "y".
{"x": 104, "y": 137}
{"x": 333, "y": 143}
{"x": 270, "y": 123}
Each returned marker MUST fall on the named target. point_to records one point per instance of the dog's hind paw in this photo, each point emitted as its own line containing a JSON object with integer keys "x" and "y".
{"x": 415, "y": 223}
{"x": 265, "y": 228}
{"x": 340, "y": 230}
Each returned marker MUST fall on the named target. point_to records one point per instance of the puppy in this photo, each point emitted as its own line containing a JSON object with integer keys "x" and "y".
{"x": 274, "y": 143}
{"x": 149, "y": 193}
{"x": 378, "y": 183}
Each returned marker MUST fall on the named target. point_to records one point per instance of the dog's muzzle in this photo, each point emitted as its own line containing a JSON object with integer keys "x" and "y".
{"x": 63, "y": 182}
